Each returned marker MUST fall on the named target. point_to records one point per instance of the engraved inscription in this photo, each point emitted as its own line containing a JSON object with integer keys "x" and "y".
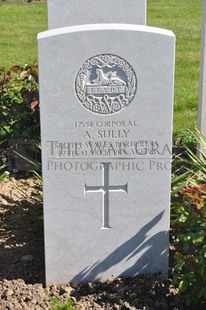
{"x": 105, "y": 189}
{"x": 105, "y": 84}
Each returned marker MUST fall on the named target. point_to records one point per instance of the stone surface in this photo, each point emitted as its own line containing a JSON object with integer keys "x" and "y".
{"x": 106, "y": 121}
{"x": 202, "y": 93}
{"x": 63, "y": 13}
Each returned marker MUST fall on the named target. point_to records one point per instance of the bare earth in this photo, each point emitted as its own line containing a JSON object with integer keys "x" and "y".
{"x": 22, "y": 265}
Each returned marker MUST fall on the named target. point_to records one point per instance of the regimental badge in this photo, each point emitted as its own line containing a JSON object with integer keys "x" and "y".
{"x": 105, "y": 84}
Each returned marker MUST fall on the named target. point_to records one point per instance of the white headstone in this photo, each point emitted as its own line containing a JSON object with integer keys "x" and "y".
{"x": 106, "y": 94}
{"x": 63, "y": 13}
{"x": 202, "y": 93}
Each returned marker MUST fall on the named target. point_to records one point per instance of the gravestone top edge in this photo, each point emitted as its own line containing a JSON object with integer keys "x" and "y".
{"x": 95, "y": 27}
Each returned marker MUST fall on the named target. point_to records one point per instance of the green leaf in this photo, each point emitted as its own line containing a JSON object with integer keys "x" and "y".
{"x": 198, "y": 239}
{"x": 183, "y": 218}
{"x": 202, "y": 293}
{"x": 183, "y": 286}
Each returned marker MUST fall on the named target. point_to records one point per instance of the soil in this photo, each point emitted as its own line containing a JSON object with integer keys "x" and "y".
{"x": 22, "y": 282}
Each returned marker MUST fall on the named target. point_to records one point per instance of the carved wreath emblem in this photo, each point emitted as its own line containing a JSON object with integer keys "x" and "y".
{"x": 105, "y": 84}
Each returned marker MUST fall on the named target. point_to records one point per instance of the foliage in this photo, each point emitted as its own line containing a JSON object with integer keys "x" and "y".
{"x": 38, "y": 189}
{"x": 19, "y": 102}
{"x": 186, "y": 138}
{"x": 189, "y": 236}
{"x": 3, "y": 173}
{"x": 188, "y": 227}
{"x": 199, "y": 158}
{"x": 56, "y": 304}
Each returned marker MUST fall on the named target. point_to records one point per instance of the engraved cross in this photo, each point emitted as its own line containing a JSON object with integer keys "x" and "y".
{"x": 105, "y": 189}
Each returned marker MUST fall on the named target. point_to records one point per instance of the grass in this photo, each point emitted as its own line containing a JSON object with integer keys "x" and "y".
{"x": 183, "y": 17}
{"x": 20, "y": 23}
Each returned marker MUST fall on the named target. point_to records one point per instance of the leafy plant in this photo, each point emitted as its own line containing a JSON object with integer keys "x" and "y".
{"x": 19, "y": 102}
{"x": 188, "y": 226}
{"x": 56, "y": 304}
{"x": 3, "y": 173}
{"x": 186, "y": 138}
{"x": 199, "y": 158}
{"x": 38, "y": 190}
